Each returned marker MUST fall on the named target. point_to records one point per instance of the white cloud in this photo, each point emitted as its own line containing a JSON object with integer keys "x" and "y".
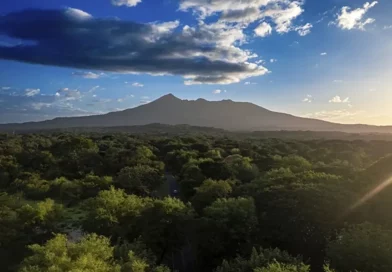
{"x": 337, "y": 99}
{"x": 333, "y": 115}
{"x": 5, "y": 88}
{"x": 77, "y": 14}
{"x": 263, "y": 30}
{"x": 68, "y": 94}
{"x": 93, "y": 89}
{"x": 120, "y": 100}
{"x": 387, "y": 27}
{"x": 304, "y": 30}
{"x": 250, "y": 83}
{"x": 32, "y": 92}
{"x": 324, "y": 54}
{"x": 128, "y": 3}
{"x": 308, "y": 99}
{"x": 372, "y": 90}
{"x": 281, "y": 13}
{"x": 137, "y": 84}
{"x": 218, "y": 91}
{"x": 88, "y": 75}
{"x": 354, "y": 19}
{"x": 295, "y": 43}
{"x": 337, "y": 81}
{"x": 273, "y": 60}
{"x": 39, "y": 106}
{"x": 165, "y": 27}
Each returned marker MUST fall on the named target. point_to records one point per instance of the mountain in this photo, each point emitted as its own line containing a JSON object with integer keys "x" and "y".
{"x": 226, "y": 114}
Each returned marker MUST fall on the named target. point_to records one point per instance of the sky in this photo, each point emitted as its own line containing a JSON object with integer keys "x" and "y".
{"x": 329, "y": 59}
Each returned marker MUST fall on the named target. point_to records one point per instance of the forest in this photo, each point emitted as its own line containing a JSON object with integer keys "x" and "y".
{"x": 124, "y": 202}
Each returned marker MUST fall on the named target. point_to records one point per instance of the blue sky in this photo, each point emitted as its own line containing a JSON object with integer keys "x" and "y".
{"x": 329, "y": 59}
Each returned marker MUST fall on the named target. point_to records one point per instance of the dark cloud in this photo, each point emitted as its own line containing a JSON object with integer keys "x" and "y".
{"x": 73, "y": 38}
{"x": 88, "y": 75}
{"x": 250, "y": 14}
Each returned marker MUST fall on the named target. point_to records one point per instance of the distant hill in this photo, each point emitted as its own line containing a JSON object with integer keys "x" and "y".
{"x": 226, "y": 114}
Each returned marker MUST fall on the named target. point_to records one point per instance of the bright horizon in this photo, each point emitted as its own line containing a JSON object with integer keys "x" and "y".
{"x": 330, "y": 61}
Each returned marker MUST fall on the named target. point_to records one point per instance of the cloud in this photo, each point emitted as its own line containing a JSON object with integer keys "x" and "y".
{"x": 284, "y": 14}
{"x": 88, "y": 75}
{"x": 218, "y": 91}
{"x": 354, "y": 19}
{"x": 337, "y": 99}
{"x": 93, "y": 89}
{"x": 324, "y": 54}
{"x": 128, "y": 3}
{"x": 32, "y": 92}
{"x": 76, "y": 14}
{"x": 387, "y": 27}
{"x": 69, "y": 94}
{"x": 204, "y": 54}
{"x": 337, "y": 81}
{"x": 137, "y": 84}
{"x": 22, "y": 106}
{"x": 280, "y": 14}
{"x": 333, "y": 115}
{"x": 250, "y": 83}
{"x": 308, "y": 99}
{"x": 273, "y": 60}
{"x": 304, "y": 30}
{"x": 263, "y": 30}
{"x": 295, "y": 43}
{"x": 5, "y": 88}
{"x": 40, "y": 105}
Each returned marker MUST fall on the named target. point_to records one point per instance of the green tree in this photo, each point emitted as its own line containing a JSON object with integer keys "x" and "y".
{"x": 22, "y": 224}
{"x": 31, "y": 185}
{"x": 210, "y": 191}
{"x": 140, "y": 179}
{"x": 295, "y": 163}
{"x": 277, "y": 267}
{"x": 258, "y": 258}
{"x": 8, "y": 170}
{"x": 226, "y": 230}
{"x": 242, "y": 167}
{"x": 365, "y": 247}
{"x": 93, "y": 253}
{"x": 114, "y": 213}
{"x": 163, "y": 226}
{"x": 191, "y": 177}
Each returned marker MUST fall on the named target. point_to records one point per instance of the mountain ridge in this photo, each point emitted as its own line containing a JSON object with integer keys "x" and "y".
{"x": 224, "y": 114}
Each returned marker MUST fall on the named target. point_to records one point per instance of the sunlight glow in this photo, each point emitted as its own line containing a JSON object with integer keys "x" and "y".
{"x": 371, "y": 194}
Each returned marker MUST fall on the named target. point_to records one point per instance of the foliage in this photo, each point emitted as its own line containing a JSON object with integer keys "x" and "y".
{"x": 209, "y": 191}
{"x": 221, "y": 197}
{"x": 92, "y": 253}
{"x": 365, "y": 247}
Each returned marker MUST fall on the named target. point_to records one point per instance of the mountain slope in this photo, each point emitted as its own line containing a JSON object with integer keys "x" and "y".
{"x": 224, "y": 114}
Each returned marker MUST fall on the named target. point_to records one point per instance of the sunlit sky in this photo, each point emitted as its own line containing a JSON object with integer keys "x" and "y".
{"x": 329, "y": 59}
